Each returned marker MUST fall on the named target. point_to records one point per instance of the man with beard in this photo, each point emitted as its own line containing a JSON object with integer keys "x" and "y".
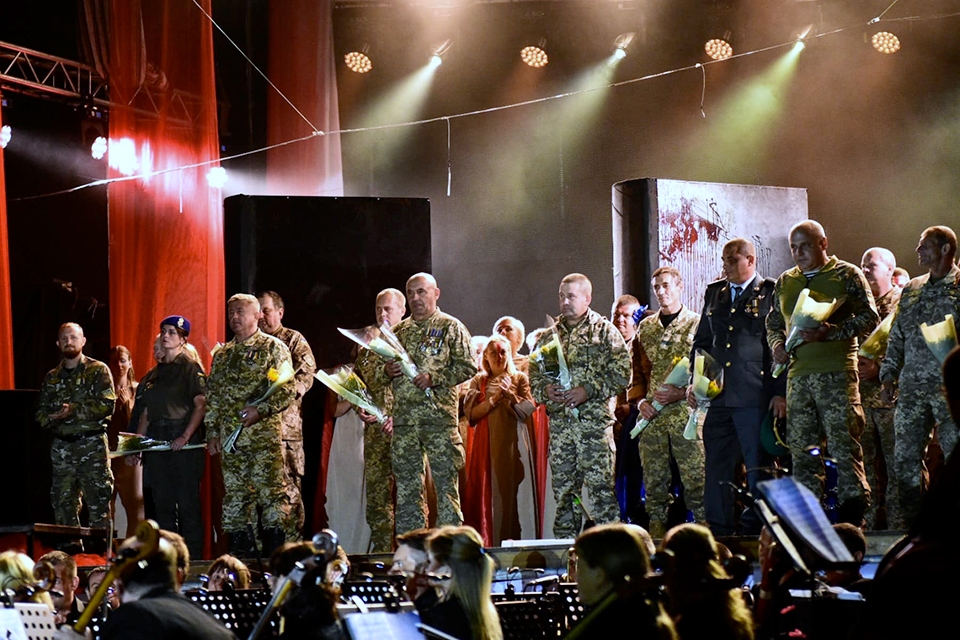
{"x": 76, "y": 403}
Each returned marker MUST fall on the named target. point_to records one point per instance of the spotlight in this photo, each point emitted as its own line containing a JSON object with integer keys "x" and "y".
{"x": 359, "y": 61}
{"x": 217, "y": 177}
{"x": 622, "y": 43}
{"x": 436, "y": 55}
{"x": 5, "y": 134}
{"x": 535, "y": 55}
{"x": 122, "y": 156}
{"x": 719, "y": 48}
{"x": 99, "y": 148}
{"x": 885, "y": 42}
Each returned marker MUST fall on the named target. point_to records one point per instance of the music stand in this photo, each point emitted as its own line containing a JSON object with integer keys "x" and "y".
{"x": 239, "y": 611}
{"x": 27, "y": 621}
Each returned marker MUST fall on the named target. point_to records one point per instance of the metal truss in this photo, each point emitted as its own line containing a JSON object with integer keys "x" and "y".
{"x": 42, "y": 75}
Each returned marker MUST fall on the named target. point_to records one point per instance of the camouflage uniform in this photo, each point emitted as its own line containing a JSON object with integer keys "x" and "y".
{"x": 293, "y": 459}
{"x": 581, "y": 447}
{"x": 79, "y": 450}
{"x": 656, "y": 351}
{"x": 823, "y": 396}
{"x": 440, "y": 346}
{"x": 253, "y": 474}
{"x": 377, "y": 470}
{"x": 878, "y": 437}
{"x": 922, "y": 401}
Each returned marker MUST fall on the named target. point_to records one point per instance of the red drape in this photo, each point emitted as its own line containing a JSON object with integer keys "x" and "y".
{"x": 166, "y": 232}
{"x": 477, "y": 493}
{"x": 303, "y": 68}
{"x": 6, "y": 315}
{"x": 541, "y": 429}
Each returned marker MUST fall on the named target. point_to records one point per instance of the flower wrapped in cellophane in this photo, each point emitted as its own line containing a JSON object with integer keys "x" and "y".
{"x": 875, "y": 346}
{"x": 807, "y": 314}
{"x": 132, "y": 443}
{"x": 940, "y": 337}
{"x": 384, "y": 342}
{"x": 707, "y": 385}
{"x": 351, "y": 388}
{"x": 277, "y": 378}
{"x": 551, "y": 363}
{"x": 678, "y": 377}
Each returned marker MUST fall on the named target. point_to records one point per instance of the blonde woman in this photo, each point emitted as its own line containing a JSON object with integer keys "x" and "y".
{"x": 16, "y": 572}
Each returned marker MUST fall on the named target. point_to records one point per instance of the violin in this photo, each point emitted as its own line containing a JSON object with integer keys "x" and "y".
{"x": 148, "y": 534}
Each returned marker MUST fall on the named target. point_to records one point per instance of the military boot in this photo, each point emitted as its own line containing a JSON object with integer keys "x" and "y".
{"x": 272, "y": 538}
{"x": 240, "y": 543}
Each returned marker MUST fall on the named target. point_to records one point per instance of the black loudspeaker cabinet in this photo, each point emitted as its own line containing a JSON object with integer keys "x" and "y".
{"x": 26, "y": 469}
{"x": 326, "y": 257}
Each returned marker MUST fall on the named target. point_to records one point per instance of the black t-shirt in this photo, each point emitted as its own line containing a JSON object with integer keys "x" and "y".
{"x": 666, "y": 319}
{"x": 167, "y": 393}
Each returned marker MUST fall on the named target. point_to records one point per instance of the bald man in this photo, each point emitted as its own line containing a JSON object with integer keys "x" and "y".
{"x": 823, "y": 395}
{"x": 76, "y": 403}
{"x": 878, "y": 265}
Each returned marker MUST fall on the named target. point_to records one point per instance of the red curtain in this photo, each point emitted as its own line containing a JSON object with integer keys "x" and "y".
{"x": 6, "y": 315}
{"x": 303, "y": 68}
{"x": 476, "y": 494}
{"x": 166, "y": 231}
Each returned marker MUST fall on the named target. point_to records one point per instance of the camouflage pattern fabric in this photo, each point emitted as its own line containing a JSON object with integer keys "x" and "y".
{"x": 581, "y": 446}
{"x": 922, "y": 403}
{"x": 79, "y": 467}
{"x": 657, "y": 349}
{"x": 253, "y": 475}
{"x": 440, "y": 347}
{"x": 824, "y": 409}
{"x": 293, "y": 457}
{"x": 378, "y": 470}
{"x": 878, "y": 437}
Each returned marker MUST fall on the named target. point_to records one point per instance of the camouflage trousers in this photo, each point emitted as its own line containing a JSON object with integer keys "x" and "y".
{"x": 411, "y": 445}
{"x": 919, "y": 409}
{"x": 81, "y": 468}
{"x": 823, "y": 409}
{"x": 659, "y": 442}
{"x": 878, "y": 443}
{"x": 581, "y": 456}
{"x": 378, "y": 488}
{"x": 253, "y": 480}
{"x": 293, "y": 466}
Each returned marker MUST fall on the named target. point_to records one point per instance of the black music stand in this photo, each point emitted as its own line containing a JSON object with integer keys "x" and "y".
{"x": 239, "y": 611}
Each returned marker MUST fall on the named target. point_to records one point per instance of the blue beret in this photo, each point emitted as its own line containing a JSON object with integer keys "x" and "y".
{"x": 176, "y": 321}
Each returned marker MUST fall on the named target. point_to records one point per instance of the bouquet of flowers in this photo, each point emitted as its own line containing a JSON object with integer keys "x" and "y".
{"x": 875, "y": 346}
{"x": 351, "y": 388}
{"x": 807, "y": 314}
{"x": 551, "y": 362}
{"x": 940, "y": 337}
{"x": 707, "y": 385}
{"x": 383, "y": 342}
{"x": 277, "y": 378}
{"x": 678, "y": 377}
{"x": 132, "y": 443}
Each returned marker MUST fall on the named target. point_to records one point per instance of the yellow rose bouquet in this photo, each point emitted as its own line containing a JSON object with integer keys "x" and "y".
{"x": 277, "y": 378}
{"x": 551, "y": 362}
{"x": 875, "y": 346}
{"x": 940, "y": 337}
{"x": 133, "y": 443}
{"x": 383, "y": 342}
{"x": 351, "y": 388}
{"x": 678, "y": 377}
{"x": 807, "y": 314}
{"x": 707, "y": 385}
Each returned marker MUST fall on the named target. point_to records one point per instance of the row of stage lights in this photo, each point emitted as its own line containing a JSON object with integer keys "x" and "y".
{"x": 535, "y": 55}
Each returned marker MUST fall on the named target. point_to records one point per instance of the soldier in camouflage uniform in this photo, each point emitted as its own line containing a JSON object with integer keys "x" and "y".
{"x": 253, "y": 472}
{"x": 378, "y": 472}
{"x": 878, "y": 265}
{"x": 910, "y": 362}
{"x": 581, "y": 418}
{"x": 662, "y": 340}
{"x": 823, "y": 396}
{"x": 76, "y": 403}
{"x": 440, "y": 347}
{"x": 304, "y": 364}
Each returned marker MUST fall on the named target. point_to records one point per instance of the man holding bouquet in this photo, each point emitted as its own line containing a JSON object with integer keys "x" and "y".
{"x": 253, "y": 470}
{"x": 823, "y": 396}
{"x": 732, "y": 330}
{"x": 581, "y": 417}
{"x": 663, "y": 340}
{"x": 425, "y": 407}
{"x": 910, "y": 361}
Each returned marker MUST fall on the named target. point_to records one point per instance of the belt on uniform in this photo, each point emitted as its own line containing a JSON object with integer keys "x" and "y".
{"x": 167, "y": 422}
{"x": 77, "y": 437}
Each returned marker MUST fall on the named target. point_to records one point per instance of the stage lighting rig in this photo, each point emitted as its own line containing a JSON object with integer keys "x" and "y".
{"x": 359, "y": 61}
{"x": 5, "y": 135}
{"x": 217, "y": 177}
{"x": 719, "y": 48}
{"x": 885, "y": 42}
{"x": 99, "y": 148}
{"x": 622, "y": 43}
{"x": 535, "y": 55}
{"x": 437, "y": 53}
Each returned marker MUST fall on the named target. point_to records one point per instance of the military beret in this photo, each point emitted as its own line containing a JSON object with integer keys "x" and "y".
{"x": 177, "y": 321}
